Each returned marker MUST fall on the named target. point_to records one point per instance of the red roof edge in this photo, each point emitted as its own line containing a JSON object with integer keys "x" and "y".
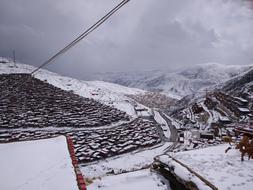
{"x": 79, "y": 175}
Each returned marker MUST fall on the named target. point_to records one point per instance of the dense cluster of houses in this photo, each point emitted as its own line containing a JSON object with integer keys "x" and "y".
{"x": 218, "y": 115}
{"x": 238, "y": 106}
{"x": 39, "y": 110}
{"x": 154, "y": 100}
{"x": 39, "y": 104}
{"x": 91, "y": 145}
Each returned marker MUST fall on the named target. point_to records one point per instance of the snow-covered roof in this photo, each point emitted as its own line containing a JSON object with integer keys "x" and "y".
{"x": 130, "y": 181}
{"x": 241, "y": 99}
{"x": 224, "y": 118}
{"x": 41, "y": 164}
{"x": 223, "y": 170}
{"x": 244, "y": 109}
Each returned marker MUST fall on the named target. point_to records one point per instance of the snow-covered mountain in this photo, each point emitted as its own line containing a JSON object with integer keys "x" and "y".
{"x": 177, "y": 84}
{"x": 107, "y": 93}
{"x": 228, "y": 103}
{"x": 241, "y": 85}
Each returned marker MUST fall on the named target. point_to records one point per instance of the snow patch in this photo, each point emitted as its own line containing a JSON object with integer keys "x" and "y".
{"x": 41, "y": 164}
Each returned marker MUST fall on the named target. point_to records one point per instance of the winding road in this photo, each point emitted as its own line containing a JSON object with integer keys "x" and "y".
{"x": 173, "y": 130}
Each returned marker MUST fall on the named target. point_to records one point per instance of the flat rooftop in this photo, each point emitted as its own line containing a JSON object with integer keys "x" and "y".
{"x": 137, "y": 180}
{"x": 41, "y": 164}
{"x": 224, "y": 170}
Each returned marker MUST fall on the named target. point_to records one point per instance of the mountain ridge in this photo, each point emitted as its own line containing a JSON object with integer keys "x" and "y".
{"x": 177, "y": 84}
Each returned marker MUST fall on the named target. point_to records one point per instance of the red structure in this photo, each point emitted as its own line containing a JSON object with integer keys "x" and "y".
{"x": 79, "y": 175}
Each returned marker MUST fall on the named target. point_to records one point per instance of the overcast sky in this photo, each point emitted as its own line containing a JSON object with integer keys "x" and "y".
{"x": 145, "y": 34}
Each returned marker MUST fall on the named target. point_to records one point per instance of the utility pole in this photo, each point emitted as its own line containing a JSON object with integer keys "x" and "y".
{"x": 14, "y": 57}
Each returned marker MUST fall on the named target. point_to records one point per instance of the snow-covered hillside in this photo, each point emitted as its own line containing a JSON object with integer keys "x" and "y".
{"x": 180, "y": 83}
{"x": 104, "y": 92}
{"x": 241, "y": 85}
{"x": 228, "y": 103}
{"x": 98, "y": 156}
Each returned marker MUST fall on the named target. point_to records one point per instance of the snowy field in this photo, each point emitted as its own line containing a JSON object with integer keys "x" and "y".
{"x": 224, "y": 170}
{"x": 125, "y": 171}
{"x": 40, "y": 165}
{"x": 142, "y": 179}
{"x": 123, "y": 163}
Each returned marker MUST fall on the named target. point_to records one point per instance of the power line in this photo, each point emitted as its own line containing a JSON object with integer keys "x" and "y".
{"x": 83, "y": 35}
{"x": 70, "y": 45}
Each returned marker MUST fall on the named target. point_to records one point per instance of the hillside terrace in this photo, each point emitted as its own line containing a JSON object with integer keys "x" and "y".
{"x": 39, "y": 110}
{"x": 39, "y": 104}
{"x": 95, "y": 144}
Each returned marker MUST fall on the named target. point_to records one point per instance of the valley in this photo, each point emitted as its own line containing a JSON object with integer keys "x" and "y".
{"x": 110, "y": 124}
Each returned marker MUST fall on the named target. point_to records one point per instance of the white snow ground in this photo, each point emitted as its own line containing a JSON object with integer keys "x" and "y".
{"x": 136, "y": 178}
{"x": 104, "y": 92}
{"x": 126, "y": 162}
{"x": 143, "y": 179}
{"x": 40, "y": 165}
{"x": 224, "y": 170}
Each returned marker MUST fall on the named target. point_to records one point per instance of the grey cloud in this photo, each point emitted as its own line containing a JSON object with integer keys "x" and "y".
{"x": 146, "y": 34}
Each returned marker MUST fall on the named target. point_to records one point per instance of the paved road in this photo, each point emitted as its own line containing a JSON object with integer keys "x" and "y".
{"x": 173, "y": 130}
{"x": 161, "y": 133}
